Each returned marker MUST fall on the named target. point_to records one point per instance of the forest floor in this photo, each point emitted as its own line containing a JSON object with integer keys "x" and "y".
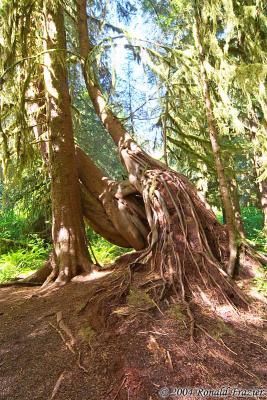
{"x": 61, "y": 347}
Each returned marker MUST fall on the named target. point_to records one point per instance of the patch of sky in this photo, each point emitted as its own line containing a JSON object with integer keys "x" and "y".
{"x": 135, "y": 87}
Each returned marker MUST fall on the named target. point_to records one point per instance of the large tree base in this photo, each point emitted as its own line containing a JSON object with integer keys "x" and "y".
{"x": 186, "y": 251}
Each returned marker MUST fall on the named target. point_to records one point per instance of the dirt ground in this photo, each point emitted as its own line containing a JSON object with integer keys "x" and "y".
{"x": 61, "y": 347}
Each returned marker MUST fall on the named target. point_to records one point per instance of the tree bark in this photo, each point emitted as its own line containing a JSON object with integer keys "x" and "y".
{"x": 68, "y": 233}
{"x": 263, "y": 191}
{"x": 236, "y": 207}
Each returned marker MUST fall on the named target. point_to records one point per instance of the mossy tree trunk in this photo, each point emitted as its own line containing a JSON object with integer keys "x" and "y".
{"x": 233, "y": 233}
{"x": 68, "y": 232}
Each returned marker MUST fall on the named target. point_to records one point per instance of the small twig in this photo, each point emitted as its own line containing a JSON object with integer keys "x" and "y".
{"x": 257, "y": 344}
{"x": 93, "y": 254}
{"x": 247, "y": 372}
{"x": 158, "y": 307}
{"x": 80, "y": 364}
{"x": 65, "y": 328}
{"x": 81, "y": 310}
{"x": 234, "y": 362}
{"x": 169, "y": 361}
{"x": 69, "y": 346}
{"x": 228, "y": 348}
{"x": 57, "y": 385}
{"x": 155, "y": 332}
{"x": 121, "y": 385}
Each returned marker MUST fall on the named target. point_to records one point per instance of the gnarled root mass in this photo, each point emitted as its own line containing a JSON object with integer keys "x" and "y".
{"x": 181, "y": 248}
{"x": 187, "y": 247}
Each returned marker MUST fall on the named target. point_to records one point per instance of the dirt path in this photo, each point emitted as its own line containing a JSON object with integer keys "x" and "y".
{"x": 118, "y": 357}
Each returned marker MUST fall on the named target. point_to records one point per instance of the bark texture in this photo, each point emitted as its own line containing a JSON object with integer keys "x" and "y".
{"x": 112, "y": 208}
{"x": 262, "y": 184}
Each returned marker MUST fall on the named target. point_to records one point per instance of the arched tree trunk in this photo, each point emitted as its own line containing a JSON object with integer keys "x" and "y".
{"x": 187, "y": 249}
{"x": 69, "y": 240}
{"x": 112, "y": 208}
{"x": 109, "y": 121}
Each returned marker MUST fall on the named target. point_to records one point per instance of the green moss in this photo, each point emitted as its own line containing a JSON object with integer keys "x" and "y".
{"x": 176, "y": 312}
{"x": 140, "y": 299}
{"x": 221, "y": 329}
{"x": 86, "y": 333}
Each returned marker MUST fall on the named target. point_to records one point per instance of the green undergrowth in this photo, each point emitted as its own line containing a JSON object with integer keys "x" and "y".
{"x": 22, "y": 253}
{"x": 104, "y": 251}
{"x": 253, "y": 225}
{"x": 23, "y": 259}
{"x": 261, "y": 284}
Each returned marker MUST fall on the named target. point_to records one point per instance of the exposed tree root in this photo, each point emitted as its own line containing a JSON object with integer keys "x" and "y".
{"x": 57, "y": 385}
{"x": 68, "y": 339}
{"x": 187, "y": 246}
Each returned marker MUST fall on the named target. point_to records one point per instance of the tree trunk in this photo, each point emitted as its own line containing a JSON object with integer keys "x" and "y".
{"x": 236, "y": 207}
{"x": 263, "y": 191}
{"x": 233, "y": 264}
{"x": 68, "y": 233}
{"x": 258, "y": 160}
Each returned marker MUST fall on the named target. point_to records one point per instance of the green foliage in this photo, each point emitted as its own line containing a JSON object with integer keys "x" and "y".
{"x": 261, "y": 284}
{"x": 91, "y": 136}
{"x": 253, "y": 223}
{"x": 104, "y": 251}
{"x": 23, "y": 261}
{"x": 21, "y": 252}
{"x": 12, "y": 224}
